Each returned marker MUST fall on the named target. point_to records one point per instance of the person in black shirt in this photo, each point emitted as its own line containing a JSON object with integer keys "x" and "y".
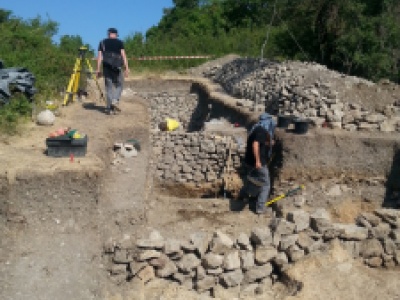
{"x": 258, "y": 152}
{"x": 113, "y": 79}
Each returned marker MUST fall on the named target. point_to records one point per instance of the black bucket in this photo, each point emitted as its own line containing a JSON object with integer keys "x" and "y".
{"x": 284, "y": 121}
{"x": 301, "y": 126}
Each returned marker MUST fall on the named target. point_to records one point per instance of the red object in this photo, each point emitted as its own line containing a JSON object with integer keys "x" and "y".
{"x": 237, "y": 124}
{"x": 71, "y": 157}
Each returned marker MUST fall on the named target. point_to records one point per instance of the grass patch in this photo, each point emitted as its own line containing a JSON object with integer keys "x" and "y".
{"x": 18, "y": 110}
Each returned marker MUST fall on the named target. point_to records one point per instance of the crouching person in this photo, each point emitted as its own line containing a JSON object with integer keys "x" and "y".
{"x": 258, "y": 152}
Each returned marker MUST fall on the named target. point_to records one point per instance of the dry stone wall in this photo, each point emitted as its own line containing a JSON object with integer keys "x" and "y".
{"x": 179, "y": 106}
{"x": 196, "y": 158}
{"x": 254, "y": 260}
{"x": 309, "y": 90}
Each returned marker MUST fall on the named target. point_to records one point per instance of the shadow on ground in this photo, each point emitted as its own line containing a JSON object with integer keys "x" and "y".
{"x": 392, "y": 197}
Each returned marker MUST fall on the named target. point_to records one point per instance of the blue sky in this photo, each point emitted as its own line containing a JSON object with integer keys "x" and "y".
{"x": 89, "y": 18}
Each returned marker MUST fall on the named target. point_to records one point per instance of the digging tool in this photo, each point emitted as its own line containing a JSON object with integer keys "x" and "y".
{"x": 287, "y": 194}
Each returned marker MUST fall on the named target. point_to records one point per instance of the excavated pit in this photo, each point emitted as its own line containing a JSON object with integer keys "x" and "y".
{"x": 346, "y": 173}
{"x": 359, "y": 160}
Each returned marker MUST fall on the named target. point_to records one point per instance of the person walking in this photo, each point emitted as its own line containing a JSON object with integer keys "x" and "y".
{"x": 111, "y": 54}
{"x": 258, "y": 151}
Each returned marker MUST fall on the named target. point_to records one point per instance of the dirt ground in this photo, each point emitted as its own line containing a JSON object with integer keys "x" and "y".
{"x": 52, "y": 249}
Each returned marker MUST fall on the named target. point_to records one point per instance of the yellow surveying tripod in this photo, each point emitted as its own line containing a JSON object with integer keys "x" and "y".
{"x": 73, "y": 85}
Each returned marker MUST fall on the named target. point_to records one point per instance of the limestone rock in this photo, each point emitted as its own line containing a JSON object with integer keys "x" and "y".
{"x": 231, "y": 260}
{"x": 205, "y": 284}
{"x": 220, "y": 243}
{"x": 172, "y": 246}
{"x": 389, "y": 246}
{"x": 201, "y": 241}
{"x": 188, "y": 263}
{"x": 243, "y": 242}
{"x": 295, "y": 253}
{"x": 283, "y": 227}
{"x": 231, "y": 279}
{"x": 122, "y": 256}
{"x": 135, "y": 267}
{"x": 212, "y": 261}
{"x": 215, "y": 272}
{"x": 261, "y": 236}
{"x": 368, "y": 220}
{"x": 264, "y": 255}
{"x": 159, "y": 262}
{"x": 320, "y": 225}
{"x": 300, "y": 218}
{"x": 200, "y": 273}
{"x": 247, "y": 259}
{"x": 352, "y": 232}
{"x": 146, "y": 274}
{"x": 305, "y": 242}
{"x": 371, "y": 248}
{"x": 46, "y": 118}
{"x": 148, "y": 254}
{"x": 381, "y": 231}
{"x": 287, "y": 241}
{"x": 257, "y": 273}
{"x": 281, "y": 259}
{"x": 167, "y": 270}
{"x": 118, "y": 269}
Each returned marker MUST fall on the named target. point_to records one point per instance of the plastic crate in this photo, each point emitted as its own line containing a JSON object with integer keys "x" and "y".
{"x": 63, "y": 146}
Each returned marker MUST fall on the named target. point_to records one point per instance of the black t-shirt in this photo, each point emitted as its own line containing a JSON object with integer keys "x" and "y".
{"x": 111, "y": 45}
{"x": 262, "y": 137}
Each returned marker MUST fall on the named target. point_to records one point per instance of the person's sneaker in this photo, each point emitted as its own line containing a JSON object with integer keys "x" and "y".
{"x": 115, "y": 106}
{"x": 264, "y": 211}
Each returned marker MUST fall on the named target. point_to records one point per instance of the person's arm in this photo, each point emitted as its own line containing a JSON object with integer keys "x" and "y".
{"x": 256, "y": 152}
{"x": 123, "y": 54}
{"x": 99, "y": 60}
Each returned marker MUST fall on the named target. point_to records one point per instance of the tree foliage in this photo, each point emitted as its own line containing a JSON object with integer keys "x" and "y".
{"x": 29, "y": 44}
{"x": 358, "y": 37}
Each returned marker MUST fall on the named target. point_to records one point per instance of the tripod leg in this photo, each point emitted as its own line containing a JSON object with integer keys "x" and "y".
{"x": 72, "y": 84}
{"x": 95, "y": 79}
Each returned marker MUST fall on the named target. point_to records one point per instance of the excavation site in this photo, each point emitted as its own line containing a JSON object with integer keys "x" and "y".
{"x": 149, "y": 214}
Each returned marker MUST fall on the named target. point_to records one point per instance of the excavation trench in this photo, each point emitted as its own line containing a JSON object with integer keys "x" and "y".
{"x": 56, "y": 216}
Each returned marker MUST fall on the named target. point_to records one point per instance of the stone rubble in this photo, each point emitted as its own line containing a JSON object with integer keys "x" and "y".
{"x": 250, "y": 261}
{"x": 303, "y": 90}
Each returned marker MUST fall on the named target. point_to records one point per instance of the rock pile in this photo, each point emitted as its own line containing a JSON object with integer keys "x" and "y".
{"x": 179, "y": 106}
{"x": 252, "y": 262}
{"x": 194, "y": 157}
{"x": 306, "y": 90}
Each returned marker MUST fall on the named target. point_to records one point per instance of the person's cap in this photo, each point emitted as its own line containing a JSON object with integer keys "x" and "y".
{"x": 112, "y": 30}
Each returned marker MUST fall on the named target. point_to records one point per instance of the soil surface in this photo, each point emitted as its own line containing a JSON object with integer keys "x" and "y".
{"x": 54, "y": 251}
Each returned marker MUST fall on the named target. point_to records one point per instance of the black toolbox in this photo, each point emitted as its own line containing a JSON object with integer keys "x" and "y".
{"x": 65, "y": 146}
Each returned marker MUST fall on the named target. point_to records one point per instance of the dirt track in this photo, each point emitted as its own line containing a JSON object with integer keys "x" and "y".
{"x": 52, "y": 237}
{"x": 52, "y": 234}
